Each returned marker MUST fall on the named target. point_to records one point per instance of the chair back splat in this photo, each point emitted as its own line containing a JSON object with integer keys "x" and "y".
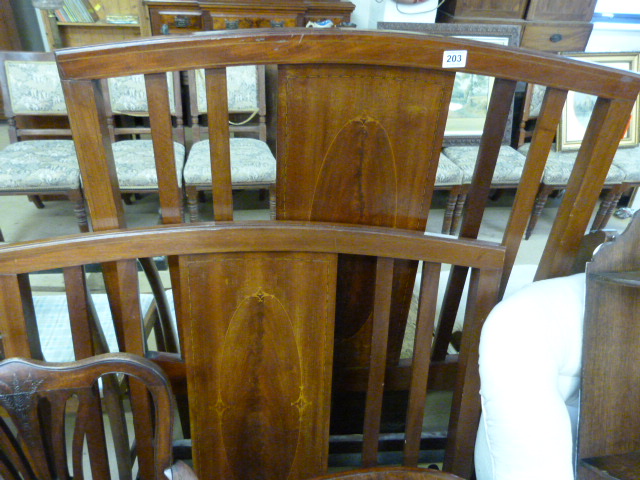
{"x": 360, "y": 118}
{"x": 38, "y": 398}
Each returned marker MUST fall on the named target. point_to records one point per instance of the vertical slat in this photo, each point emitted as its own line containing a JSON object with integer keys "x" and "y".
{"x": 88, "y": 410}
{"x": 58, "y": 409}
{"x": 162, "y": 304}
{"x": 490, "y": 143}
{"x": 79, "y": 315}
{"x": 498, "y": 114}
{"x": 88, "y": 339}
{"x": 17, "y": 318}
{"x": 218, "y": 117}
{"x": 605, "y": 129}
{"x": 162, "y": 136}
{"x": 87, "y": 117}
{"x": 121, "y": 280}
{"x": 541, "y": 142}
{"x": 465, "y": 410}
{"x": 379, "y": 336}
{"x": 10, "y": 450}
{"x": 421, "y": 359}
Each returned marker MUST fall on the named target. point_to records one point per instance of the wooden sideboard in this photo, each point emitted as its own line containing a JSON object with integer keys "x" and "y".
{"x": 186, "y": 16}
{"x": 549, "y": 25}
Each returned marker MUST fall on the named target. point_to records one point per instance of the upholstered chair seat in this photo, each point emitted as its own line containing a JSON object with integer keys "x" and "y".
{"x": 507, "y": 174}
{"x": 252, "y": 165}
{"x": 39, "y": 165}
{"x": 556, "y": 176}
{"x": 136, "y": 167}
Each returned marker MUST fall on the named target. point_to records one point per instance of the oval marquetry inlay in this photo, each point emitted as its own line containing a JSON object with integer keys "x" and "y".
{"x": 349, "y": 185}
{"x": 261, "y": 394}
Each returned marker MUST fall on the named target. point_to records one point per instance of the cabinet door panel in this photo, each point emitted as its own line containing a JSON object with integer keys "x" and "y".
{"x": 486, "y": 8}
{"x": 565, "y": 10}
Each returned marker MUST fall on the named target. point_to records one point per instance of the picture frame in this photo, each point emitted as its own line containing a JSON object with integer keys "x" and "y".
{"x": 465, "y": 122}
{"x": 578, "y": 106}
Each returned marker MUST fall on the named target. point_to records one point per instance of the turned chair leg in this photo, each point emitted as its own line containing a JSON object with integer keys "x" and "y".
{"x": 272, "y": 201}
{"x": 541, "y": 201}
{"x": 79, "y": 209}
{"x": 450, "y": 209}
{"x": 192, "y": 203}
{"x": 607, "y": 207}
{"x": 457, "y": 214}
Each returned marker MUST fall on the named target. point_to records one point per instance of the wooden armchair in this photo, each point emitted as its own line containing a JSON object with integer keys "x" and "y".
{"x": 360, "y": 120}
{"x": 256, "y": 305}
{"x": 40, "y": 401}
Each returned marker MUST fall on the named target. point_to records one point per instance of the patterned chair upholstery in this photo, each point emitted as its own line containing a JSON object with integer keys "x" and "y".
{"x": 507, "y": 173}
{"x": 253, "y": 166}
{"x": 134, "y": 157}
{"x": 37, "y": 162}
{"x": 556, "y": 177}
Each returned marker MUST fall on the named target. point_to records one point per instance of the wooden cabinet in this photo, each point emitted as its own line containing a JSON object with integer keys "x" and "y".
{"x": 186, "y": 16}
{"x": 549, "y": 25}
{"x": 106, "y": 29}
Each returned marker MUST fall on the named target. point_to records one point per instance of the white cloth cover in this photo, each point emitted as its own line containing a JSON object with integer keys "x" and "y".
{"x": 530, "y": 361}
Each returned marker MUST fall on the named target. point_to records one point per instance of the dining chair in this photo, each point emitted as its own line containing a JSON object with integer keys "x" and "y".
{"x": 253, "y": 165}
{"x": 40, "y": 159}
{"x": 256, "y": 308}
{"x": 556, "y": 177}
{"x": 52, "y": 409}
{"x": 507, "y": 174}
{"x": 128, "y": 120}
{"x": 360, "y": 117}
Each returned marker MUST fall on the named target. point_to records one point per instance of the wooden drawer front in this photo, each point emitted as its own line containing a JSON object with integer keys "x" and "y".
{"x": 229, "y": 22}
{"x": 485, "y": 8}
{"x": 565, "y": 11}
{"x": 556, "y": 38}
{"x": 165, "y": 22}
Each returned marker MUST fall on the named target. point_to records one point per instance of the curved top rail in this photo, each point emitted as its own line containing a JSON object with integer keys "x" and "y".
{"x": 293, "y": 46}
{"x": 274, "y": 236}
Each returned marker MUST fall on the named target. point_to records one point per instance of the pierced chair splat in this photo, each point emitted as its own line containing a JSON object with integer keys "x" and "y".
{"x": 36, "y": 398}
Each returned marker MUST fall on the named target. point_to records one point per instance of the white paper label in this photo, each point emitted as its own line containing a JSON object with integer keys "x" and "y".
{"x": 454, "y": 58}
